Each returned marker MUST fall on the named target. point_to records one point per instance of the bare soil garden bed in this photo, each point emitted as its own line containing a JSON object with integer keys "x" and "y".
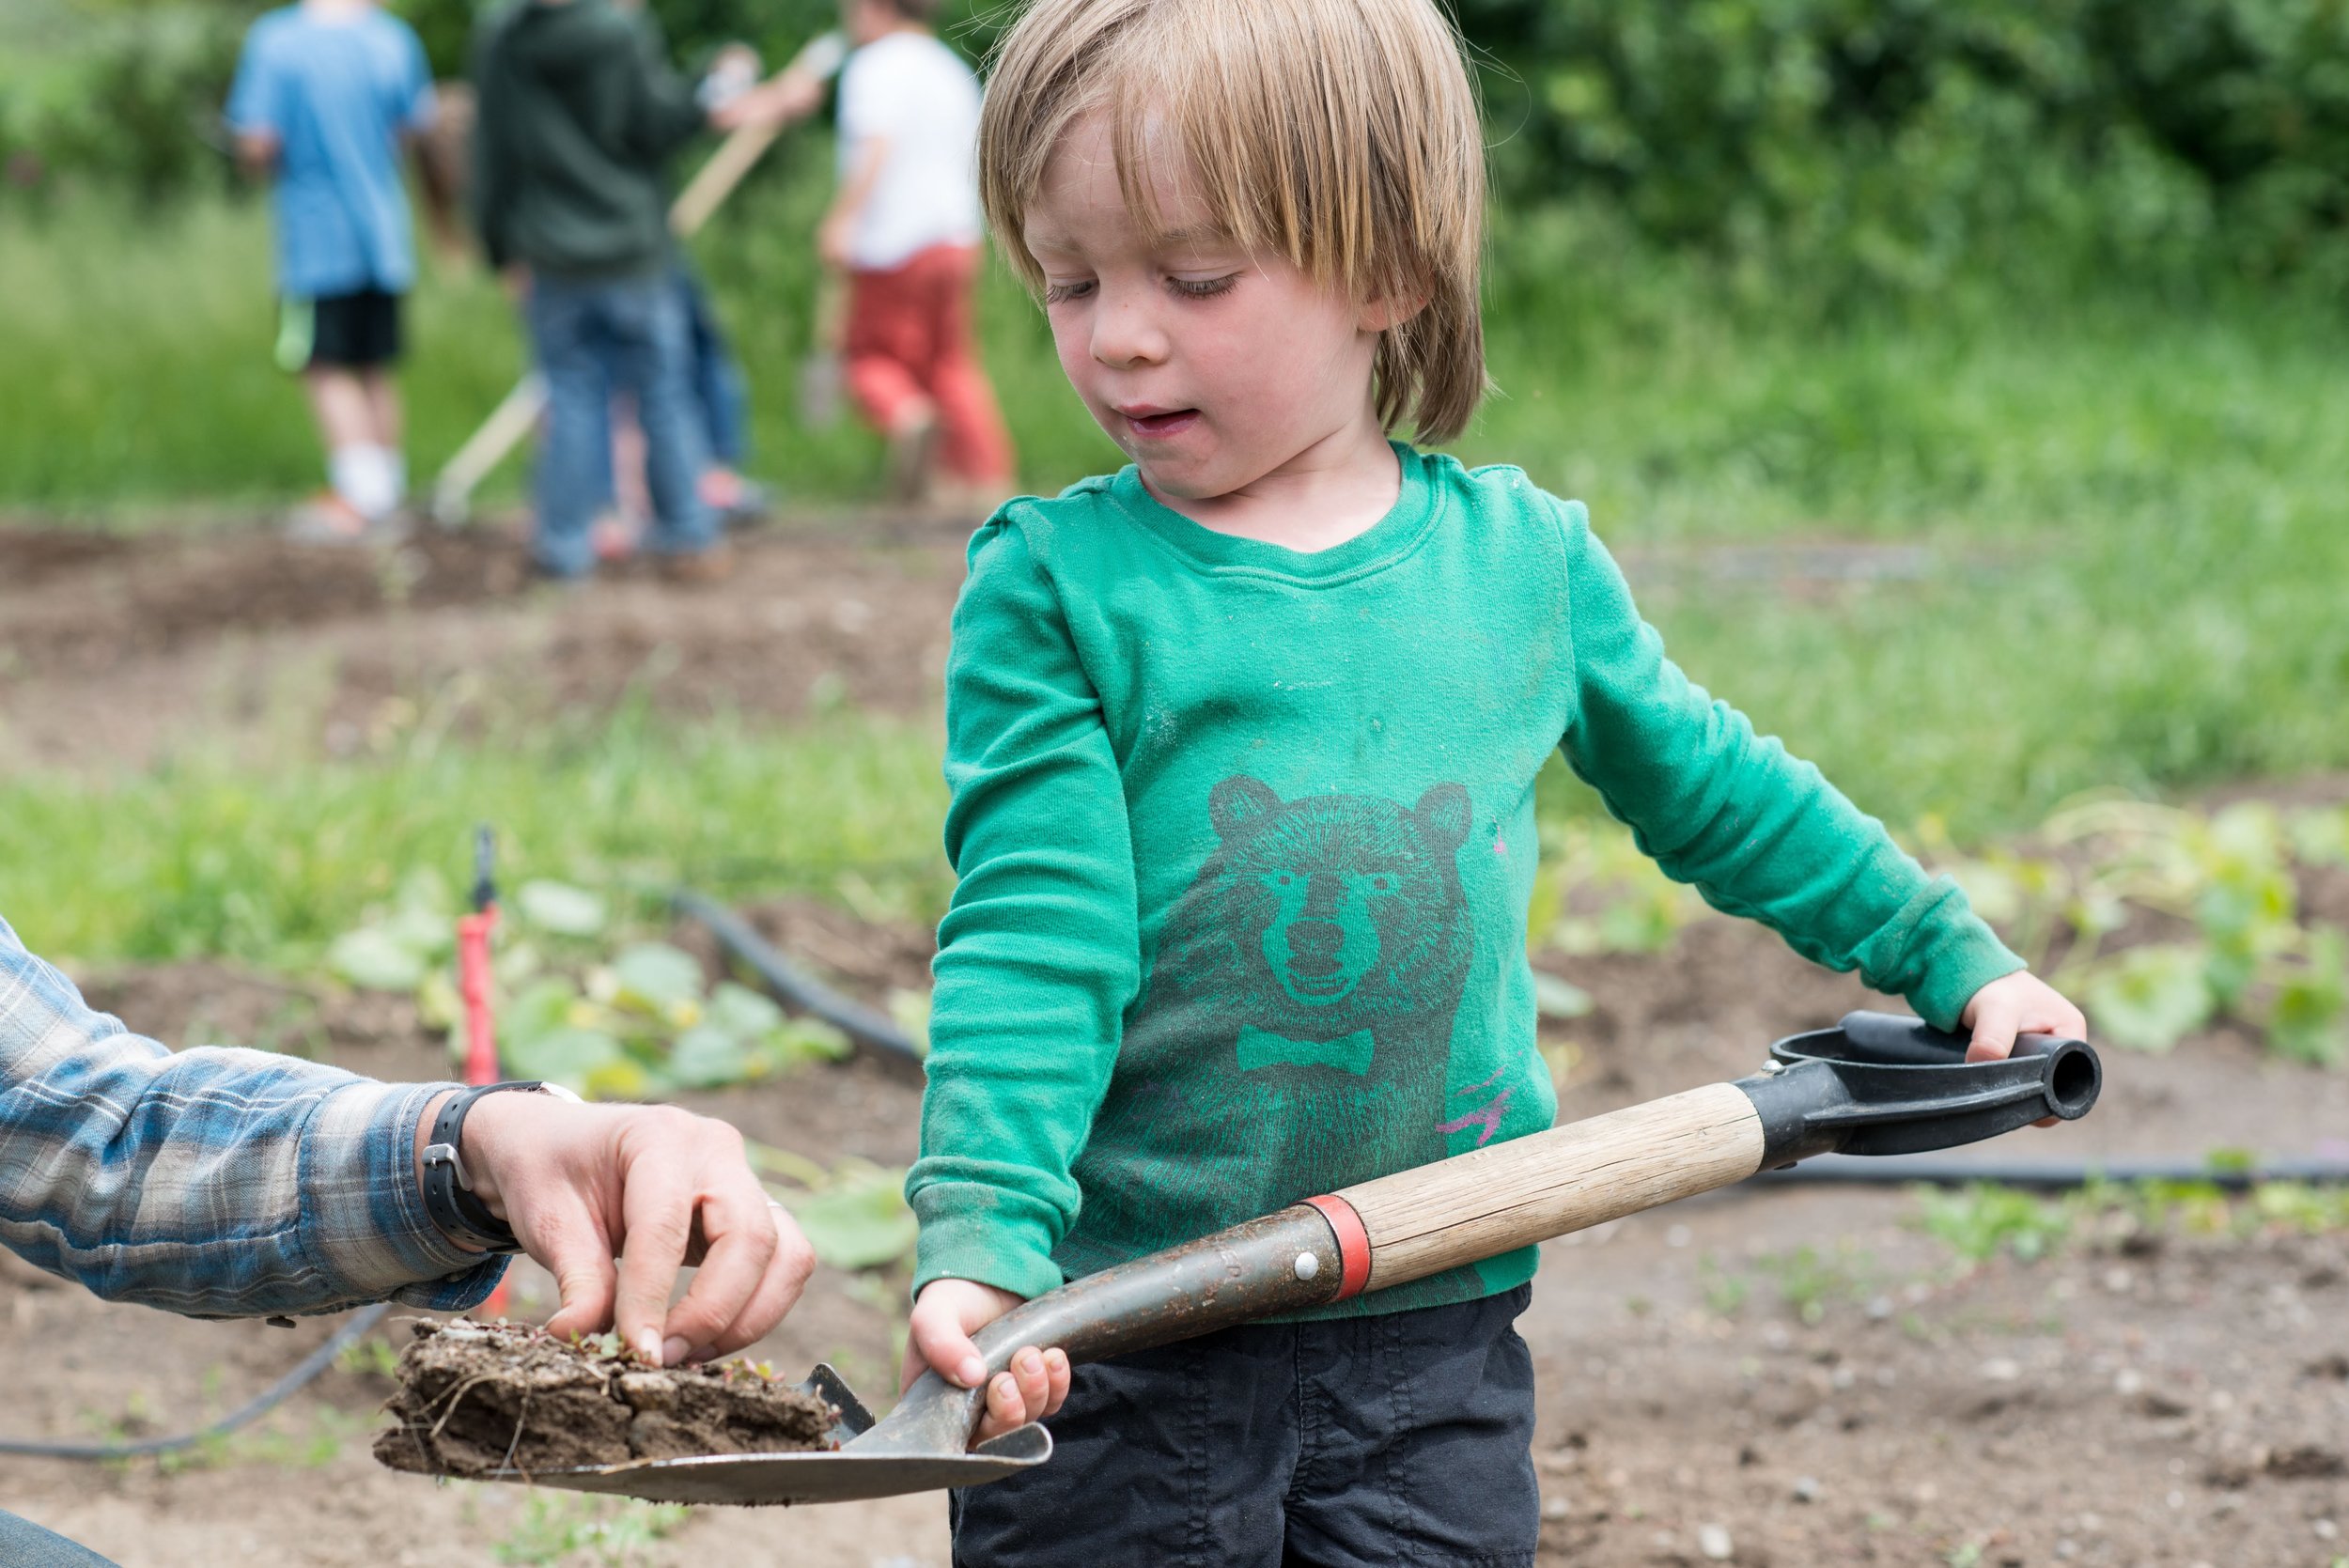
{"x": 1794, "y": 1377}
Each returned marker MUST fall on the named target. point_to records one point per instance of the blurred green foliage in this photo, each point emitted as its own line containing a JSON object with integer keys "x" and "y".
{"x": 1893, "y": 142}
{"x": 1861, "y": 147}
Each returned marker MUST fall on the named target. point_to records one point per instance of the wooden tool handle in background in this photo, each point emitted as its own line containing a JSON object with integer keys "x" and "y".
{"x": 1489, "y": 1201}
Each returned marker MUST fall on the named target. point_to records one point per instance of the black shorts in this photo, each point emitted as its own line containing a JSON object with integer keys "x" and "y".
{"x": 347, "y": 332}
{"x": 1356, "y": 1442}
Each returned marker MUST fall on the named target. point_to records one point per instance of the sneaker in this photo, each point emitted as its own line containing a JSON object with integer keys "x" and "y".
{"x": 615, "y": 536}
{"x": 713, "y": 564}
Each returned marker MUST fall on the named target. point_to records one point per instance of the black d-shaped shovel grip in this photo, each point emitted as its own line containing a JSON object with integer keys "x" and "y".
{"x": 1882, "y": 1084}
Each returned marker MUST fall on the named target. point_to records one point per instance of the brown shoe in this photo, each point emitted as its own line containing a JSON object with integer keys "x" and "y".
{"x": 713, "y": 564}
{"x": 913, "y": 447}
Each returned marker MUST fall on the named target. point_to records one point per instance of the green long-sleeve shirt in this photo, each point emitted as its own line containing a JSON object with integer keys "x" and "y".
{"x": 1246, "y": 839}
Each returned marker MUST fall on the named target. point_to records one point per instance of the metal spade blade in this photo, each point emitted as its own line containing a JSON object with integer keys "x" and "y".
{"x": 918, "y": 1448}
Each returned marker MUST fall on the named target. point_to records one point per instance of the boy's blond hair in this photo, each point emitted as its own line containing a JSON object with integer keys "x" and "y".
{"x": 1340, "y": 134}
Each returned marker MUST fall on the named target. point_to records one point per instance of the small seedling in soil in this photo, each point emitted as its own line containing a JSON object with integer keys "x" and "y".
{"x": 480, "y": 1399}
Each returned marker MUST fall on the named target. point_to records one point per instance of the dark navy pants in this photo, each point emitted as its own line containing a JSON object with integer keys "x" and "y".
{"x": 1401, "y": 1438}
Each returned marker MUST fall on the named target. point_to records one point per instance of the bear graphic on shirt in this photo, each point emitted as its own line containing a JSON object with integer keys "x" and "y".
{"x": 1295, "y": 1027}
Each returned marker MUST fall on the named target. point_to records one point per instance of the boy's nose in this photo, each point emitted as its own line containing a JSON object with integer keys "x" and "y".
{"x": 1125, "y": 335}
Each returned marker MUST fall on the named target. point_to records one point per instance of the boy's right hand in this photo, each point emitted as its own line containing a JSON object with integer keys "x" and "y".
{"x": 945, "y": 1315}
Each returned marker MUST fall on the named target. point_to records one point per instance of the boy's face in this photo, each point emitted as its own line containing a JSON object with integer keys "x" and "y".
{"x": 1209, "y": 366}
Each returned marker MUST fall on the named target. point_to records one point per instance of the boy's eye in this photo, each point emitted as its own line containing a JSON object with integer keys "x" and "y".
{"x": 1203, "y": 288}
{"x": 1061, "y": 293}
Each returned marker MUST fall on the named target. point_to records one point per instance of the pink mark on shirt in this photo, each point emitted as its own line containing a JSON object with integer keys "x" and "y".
{"x": 1487, "y": 1084}
{"x": 1501, "y": 847}
{"x": 1488, "y": 1118}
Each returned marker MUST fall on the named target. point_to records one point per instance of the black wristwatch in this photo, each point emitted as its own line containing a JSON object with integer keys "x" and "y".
{"x": 448, "y": 1199}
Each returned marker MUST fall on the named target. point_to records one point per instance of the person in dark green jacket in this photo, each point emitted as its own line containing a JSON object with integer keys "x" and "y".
{"x": 1243, "y": 743}
{"x": 579, "y": 115}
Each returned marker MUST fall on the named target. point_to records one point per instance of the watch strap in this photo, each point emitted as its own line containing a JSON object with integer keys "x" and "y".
{"x": 449, "y": 1197}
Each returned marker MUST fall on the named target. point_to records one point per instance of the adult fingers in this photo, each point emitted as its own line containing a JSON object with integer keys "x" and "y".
{"x": 742, "y": 1243}
{"x": 569, "y": 1244}
{"x": 657, "y": 1208}
{"x": 944, "y": 1344}
{"x": 779, "y": 1291}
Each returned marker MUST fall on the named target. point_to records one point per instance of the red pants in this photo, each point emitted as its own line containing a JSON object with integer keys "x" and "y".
{"x": 910, "y": 348}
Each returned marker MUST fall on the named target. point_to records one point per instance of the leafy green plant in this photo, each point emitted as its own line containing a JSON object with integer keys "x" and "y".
{"x": 1807, "y": 1280}
{"x": 854, "y": 1214}
{"x": 1978, "y": 1221}
{"x": 1595, "y": 892}
{"x": 2224, "y": 881}
{"x": 617, "y": 1531}
{"x": 639, "y": 1023}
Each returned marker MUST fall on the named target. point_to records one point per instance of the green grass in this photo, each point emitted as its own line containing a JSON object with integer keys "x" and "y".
{"x": 2130, "y": 508}
{"x": 268, "y": 865}
{"x": 140, "y": 377}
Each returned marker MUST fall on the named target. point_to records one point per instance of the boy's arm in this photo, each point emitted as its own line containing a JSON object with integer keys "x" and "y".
{"x": 1759, "y": 832}
{"x": 665, "y": 112}
{"x": 838, "y": 229}
{"x": 1038, "y": 957}
{"x": 491, "y": 176}
{"x": 251, "y": 112}
{"x": 869, "y": 109}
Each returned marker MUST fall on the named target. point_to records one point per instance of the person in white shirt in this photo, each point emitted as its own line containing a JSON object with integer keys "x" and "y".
{"x": 904, "y": 229}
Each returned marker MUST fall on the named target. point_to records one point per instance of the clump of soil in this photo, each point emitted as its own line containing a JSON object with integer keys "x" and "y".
{"x": 477, "y": 1399}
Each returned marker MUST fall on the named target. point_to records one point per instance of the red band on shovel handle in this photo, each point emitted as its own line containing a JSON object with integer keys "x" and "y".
{"x": 1353, "y": 1244}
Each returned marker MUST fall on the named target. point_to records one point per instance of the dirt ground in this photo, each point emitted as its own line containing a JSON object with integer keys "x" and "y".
{"x": 1784, "y": 1378}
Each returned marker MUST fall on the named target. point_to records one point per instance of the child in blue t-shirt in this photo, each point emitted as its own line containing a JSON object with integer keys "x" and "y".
{"x": 326, "y": 95}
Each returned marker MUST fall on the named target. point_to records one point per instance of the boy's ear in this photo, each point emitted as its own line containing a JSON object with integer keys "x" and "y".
{"x": 1390, "y": 311}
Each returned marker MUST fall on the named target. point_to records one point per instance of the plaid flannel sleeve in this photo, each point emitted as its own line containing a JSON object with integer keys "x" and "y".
{"x": 216, "y": 1182}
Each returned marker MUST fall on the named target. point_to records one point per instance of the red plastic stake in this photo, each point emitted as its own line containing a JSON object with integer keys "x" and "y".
{"x": 473, "y": 984}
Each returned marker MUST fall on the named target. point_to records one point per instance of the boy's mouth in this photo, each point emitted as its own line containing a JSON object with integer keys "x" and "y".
{"x": 1153, "y": 423}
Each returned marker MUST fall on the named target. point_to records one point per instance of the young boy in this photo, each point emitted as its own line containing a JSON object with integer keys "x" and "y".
{"x": 1243, "y": 742}
{"x": 579, "y": 114}
{"x": 905, "y": 226}
{"x": 325, "y": 95}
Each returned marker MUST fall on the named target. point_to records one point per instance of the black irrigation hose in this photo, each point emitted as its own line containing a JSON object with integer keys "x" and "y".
{"x": 1857, "y": 1171}
{"x": 791, "y": 984}
{"x": 276, "y": 1394}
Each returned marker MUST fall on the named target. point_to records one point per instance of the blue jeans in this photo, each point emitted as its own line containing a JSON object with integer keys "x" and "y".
{"x": 591, "y": 337}
{"x": 1354, "y": 1442}
{"x": 718, "y": 388}
{"x": 25, "y": 1545}
{"x": 720, "y": 395}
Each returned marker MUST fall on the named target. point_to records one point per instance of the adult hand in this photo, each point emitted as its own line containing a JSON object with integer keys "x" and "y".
{"x": 945, "y": 1315}
{"x": 655, "y": 1188}
{"x": 2018, "y": 1003}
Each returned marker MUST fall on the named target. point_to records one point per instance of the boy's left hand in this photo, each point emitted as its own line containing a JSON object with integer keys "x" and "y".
{"x": 2018, "y": 1003}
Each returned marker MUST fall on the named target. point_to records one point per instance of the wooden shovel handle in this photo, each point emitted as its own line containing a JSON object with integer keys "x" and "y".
{"x": 1474, "y": 1206}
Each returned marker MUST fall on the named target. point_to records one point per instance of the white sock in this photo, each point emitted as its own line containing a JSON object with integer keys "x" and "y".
{"x": 367, "y": 477}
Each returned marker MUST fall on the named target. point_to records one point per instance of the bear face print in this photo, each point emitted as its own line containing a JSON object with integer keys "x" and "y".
{"x": 1295, "y": 1031}
{"x": 1336, "y": 891}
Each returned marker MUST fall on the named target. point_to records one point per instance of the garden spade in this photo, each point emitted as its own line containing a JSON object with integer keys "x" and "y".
{"x": 1875, "y": 1084}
